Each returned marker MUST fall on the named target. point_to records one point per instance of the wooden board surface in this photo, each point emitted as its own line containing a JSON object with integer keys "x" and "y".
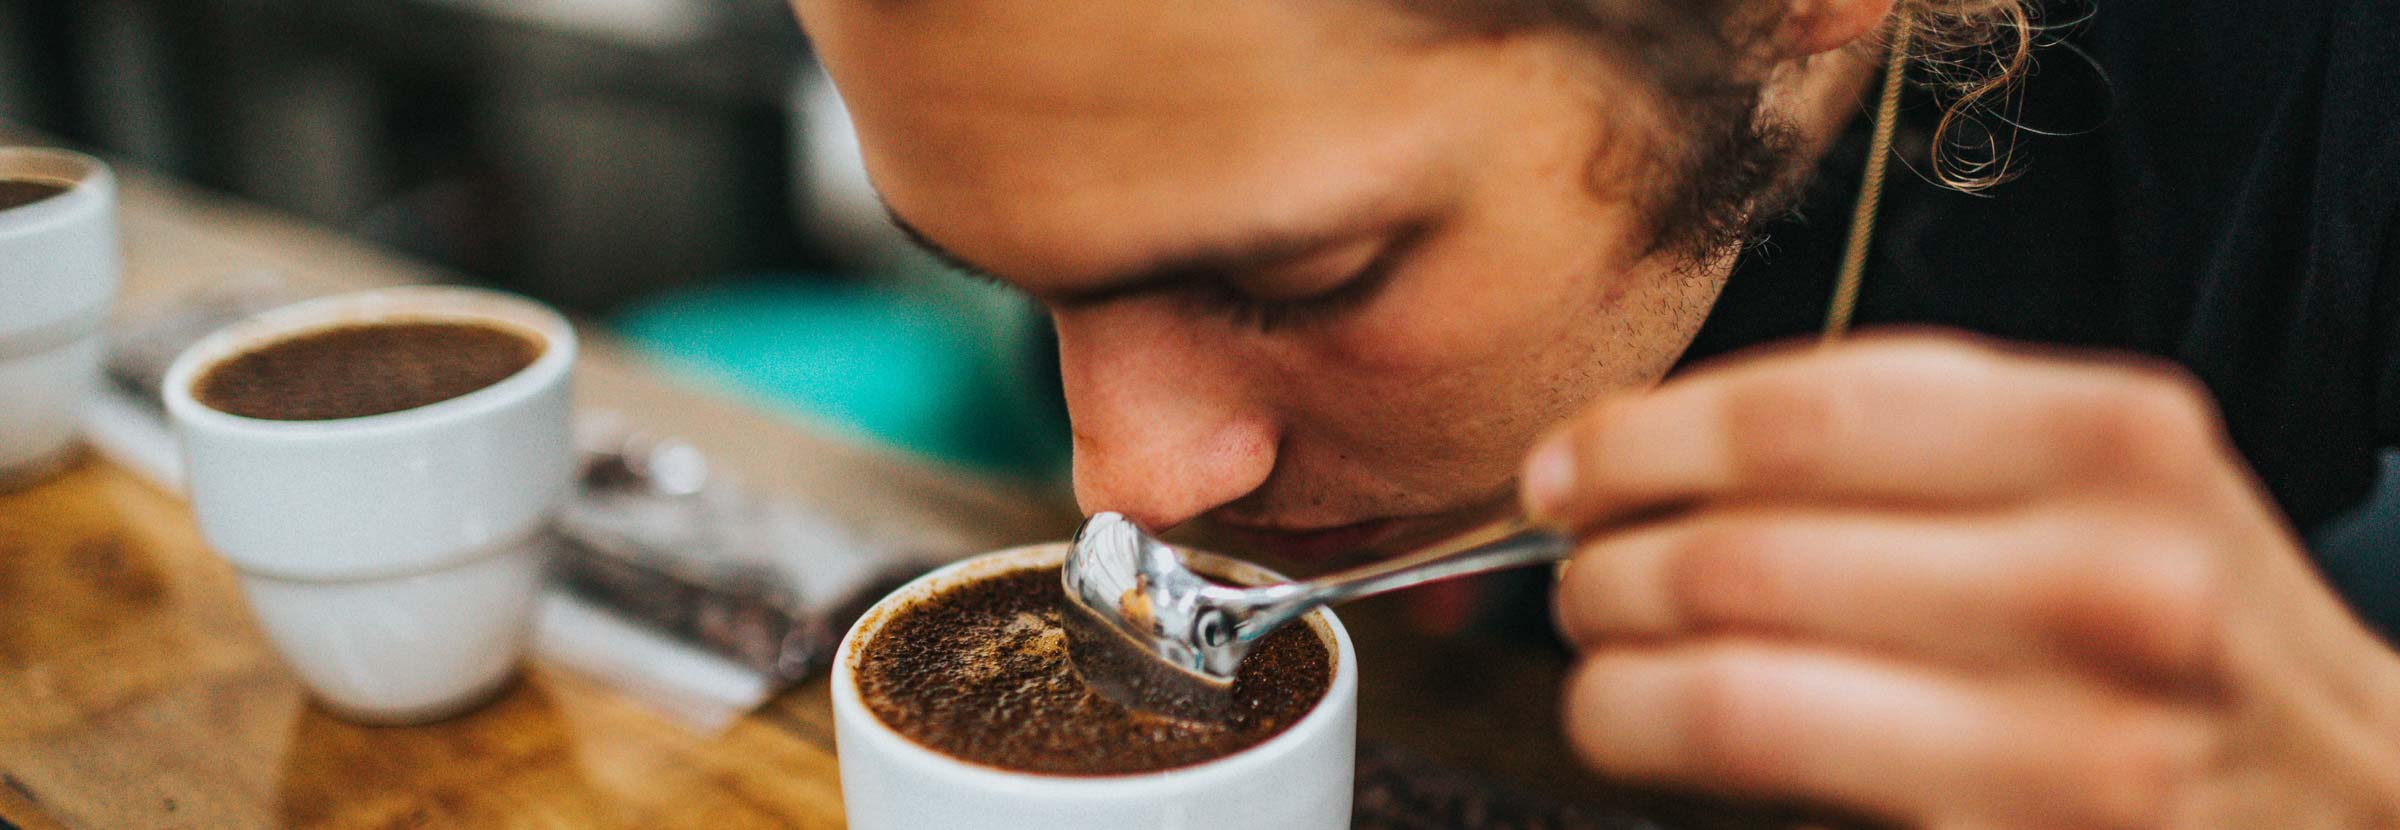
{"x": 141, "y": 694}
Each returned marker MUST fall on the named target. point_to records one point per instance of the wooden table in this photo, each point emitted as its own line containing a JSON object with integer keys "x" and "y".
{"x": 136, "y": 691}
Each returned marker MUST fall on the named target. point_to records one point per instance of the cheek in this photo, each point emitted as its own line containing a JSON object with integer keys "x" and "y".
{"x": 1499, "y": 336}
{"x": 1531, "y": 258}
{"x": 1521, "y": 284}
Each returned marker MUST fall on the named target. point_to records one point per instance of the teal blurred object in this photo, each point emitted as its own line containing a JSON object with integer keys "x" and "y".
{"x": 936, "y": 373}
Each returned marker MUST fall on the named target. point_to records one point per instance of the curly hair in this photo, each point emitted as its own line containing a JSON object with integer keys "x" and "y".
{"x": 1973, "y": 52}
{"x": 1732, "y": 167}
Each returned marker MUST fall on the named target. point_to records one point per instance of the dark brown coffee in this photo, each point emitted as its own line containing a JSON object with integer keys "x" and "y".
{"x": 980, "y": 672}
{"x": 17, "y": 193}
{"x": 369, "y": 369}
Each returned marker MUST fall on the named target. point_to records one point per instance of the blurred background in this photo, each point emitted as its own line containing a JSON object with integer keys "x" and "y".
{"x": 678, "y": 170}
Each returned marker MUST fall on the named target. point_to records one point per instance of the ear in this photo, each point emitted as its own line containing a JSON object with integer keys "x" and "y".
{"x": 1812, "y": 27}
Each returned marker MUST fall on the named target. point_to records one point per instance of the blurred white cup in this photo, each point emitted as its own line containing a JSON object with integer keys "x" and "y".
{"x": 1300, "y": 779}
{"x": 393, "y": 559}
{"x": 58, "y": 272}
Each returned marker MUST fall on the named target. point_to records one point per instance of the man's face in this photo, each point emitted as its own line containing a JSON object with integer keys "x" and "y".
{"x": 1319, "y": 275}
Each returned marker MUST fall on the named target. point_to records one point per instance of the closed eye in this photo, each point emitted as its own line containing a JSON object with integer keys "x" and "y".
{"x": 1271, "y": 315}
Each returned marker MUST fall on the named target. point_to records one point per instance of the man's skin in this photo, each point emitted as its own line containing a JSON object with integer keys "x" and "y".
{"x": 1332, "y": 280}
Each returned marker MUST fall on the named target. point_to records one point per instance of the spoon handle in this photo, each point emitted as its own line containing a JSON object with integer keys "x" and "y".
{"x": 1508, "y": 543}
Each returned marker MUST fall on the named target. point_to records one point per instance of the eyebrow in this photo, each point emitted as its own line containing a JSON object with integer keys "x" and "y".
{"x": 1171, "y": 272}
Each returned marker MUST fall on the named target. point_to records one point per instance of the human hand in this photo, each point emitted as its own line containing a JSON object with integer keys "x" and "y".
{"x": 1944, "y": 584}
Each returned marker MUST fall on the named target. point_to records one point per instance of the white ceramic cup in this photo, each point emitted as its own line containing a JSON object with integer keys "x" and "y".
{"x": 58, "y": 271}
{"x": 1298, "y": 780}
{"x": 393, "y": 559}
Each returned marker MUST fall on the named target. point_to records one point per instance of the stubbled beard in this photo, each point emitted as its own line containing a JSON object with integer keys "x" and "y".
{"x": 1737, "y": 170}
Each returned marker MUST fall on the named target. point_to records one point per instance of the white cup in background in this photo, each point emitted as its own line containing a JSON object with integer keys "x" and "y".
{"x": 393, "y": 559}
{"x": 1300, "y": 779}
{"x": 58, "y": 272}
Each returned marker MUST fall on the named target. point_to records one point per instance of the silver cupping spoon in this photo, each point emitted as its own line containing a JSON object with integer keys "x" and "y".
{"x": 1156, "y": 635}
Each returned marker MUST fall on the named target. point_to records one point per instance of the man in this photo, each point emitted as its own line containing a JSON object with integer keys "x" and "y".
{"x": 1352, "y": 274}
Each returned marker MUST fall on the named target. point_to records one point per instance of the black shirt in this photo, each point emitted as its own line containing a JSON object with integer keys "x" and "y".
{"x": 2221, "y": 192}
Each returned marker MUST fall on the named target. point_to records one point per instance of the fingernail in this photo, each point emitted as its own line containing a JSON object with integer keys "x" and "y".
{"x": 1549, "y": 477}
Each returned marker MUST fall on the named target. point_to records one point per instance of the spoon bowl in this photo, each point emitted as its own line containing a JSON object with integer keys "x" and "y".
{"x": 1150, "y": 633}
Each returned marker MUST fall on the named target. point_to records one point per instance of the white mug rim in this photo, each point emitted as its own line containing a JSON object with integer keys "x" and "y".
{"x": 88, "y": 182}
{"x": 1340, "y": 694}
{"x": 409, "y": 303}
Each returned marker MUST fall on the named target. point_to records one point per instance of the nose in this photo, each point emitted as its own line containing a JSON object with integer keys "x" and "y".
{"x": 1167, "y": 421}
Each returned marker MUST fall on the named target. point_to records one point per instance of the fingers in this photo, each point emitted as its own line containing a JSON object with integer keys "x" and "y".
{"x": 1886, "y": 576}
{"x": 1916, "y": 420}
{"x": 1906, "y": 745}
{"x": 2135, "y": 601}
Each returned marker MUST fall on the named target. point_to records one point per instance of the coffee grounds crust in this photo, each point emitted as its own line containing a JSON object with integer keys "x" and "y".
{"x": 980, "y": 672}
{"x": 357, "y": 370}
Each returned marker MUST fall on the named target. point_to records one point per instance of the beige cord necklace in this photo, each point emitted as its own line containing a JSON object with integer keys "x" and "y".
{"x": 1870, "y": 189}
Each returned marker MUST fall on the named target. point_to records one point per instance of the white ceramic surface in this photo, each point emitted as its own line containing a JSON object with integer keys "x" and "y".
{"x": 42, "y": 395}
{"x": 1297, "y": 780}
{"x": 58, "y": 271}
{"x": 392, "y": 558}
{"x": 405, "y": 648}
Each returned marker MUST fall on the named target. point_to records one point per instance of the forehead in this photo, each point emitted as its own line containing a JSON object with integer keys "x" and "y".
{"x": 1002, "y": 127}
